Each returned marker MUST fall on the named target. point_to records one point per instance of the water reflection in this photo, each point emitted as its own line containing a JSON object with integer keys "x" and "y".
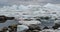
{"x": 7, "y": 23}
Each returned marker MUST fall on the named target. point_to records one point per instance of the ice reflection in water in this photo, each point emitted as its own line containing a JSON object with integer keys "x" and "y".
{"x": 49, "y": 23}
{"x": 7, "y": 23}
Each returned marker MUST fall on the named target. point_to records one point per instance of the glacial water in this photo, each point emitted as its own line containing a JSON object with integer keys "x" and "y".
{"x": 7, "y": 23}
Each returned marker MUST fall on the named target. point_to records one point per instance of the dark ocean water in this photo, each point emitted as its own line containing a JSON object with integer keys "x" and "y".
{"x": 7, "y": 23}
{"x": 48, "y": 23}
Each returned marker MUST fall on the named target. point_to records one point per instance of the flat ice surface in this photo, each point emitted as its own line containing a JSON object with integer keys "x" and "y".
{"x": 29, "y": 22}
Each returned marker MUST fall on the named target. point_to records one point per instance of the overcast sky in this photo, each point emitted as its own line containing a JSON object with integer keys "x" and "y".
{"x": 11, "y": 2}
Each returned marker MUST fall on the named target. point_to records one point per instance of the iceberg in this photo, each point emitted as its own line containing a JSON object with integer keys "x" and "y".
{"x": 21, "y": 28}
{"x": 52, "y": 6}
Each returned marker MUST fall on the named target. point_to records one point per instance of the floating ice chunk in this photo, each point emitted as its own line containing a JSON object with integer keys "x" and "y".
{"x": 47, "y": 30}
{"x": 29, "y": 22}
{"x": 57, "y": 30}
{"x": 57, "y": 21}
{"x": 52, "y": 6}
{"x": 22, "y": 28}
{"x": 7, "y": 31}
{"x": 22, "y": 7}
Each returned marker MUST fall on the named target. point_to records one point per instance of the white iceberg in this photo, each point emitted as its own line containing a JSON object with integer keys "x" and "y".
{"x": 21, "y": 28}
{"x": 29, "y": 22}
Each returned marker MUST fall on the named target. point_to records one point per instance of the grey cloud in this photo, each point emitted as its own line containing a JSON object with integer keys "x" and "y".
{"x": 11, "y": 2}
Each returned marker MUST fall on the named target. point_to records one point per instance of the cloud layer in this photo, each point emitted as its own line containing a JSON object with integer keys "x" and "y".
{"x": 11, "y": 2}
